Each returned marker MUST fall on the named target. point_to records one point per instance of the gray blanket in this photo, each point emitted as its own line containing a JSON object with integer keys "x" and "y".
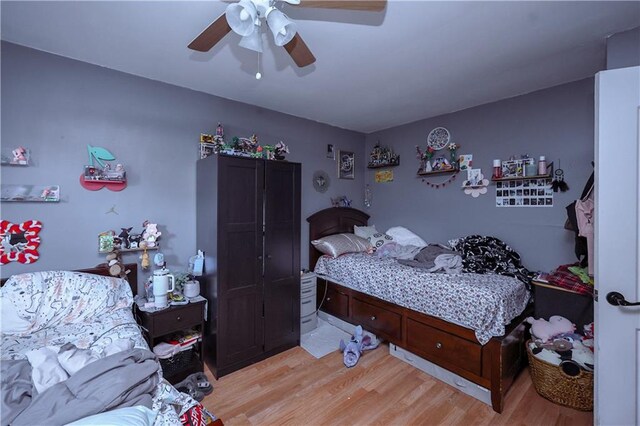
{"x": 427, "y": 257}
{"x": 123, "y": 379}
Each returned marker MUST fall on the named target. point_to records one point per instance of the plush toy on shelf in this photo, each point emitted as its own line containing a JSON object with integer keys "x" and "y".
{"x": 151, "y": 235}
{"x": 544, "y": 330}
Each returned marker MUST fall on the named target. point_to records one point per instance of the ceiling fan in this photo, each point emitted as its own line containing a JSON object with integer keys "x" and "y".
{"x": 246, "y": 16}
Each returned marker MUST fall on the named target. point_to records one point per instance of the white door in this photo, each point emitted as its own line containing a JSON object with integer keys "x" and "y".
{"x": 617, "y": 182}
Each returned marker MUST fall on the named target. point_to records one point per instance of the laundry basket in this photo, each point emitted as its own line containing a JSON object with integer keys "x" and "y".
{"x": 552, "y": 383}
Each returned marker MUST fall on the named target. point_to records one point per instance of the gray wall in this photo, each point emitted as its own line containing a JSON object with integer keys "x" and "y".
{"x": 56, "y": 106}
{"x": 556, "y": 122}
{"x": 623, "y": 49}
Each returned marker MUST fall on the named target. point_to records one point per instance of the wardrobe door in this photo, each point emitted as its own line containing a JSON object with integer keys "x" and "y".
{"x": 240, "y": 219}
{"x": 282, "y": 254}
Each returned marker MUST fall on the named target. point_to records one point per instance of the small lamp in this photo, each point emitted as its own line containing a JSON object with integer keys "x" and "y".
{"x": 281, "y": 26}
{"x": 241, "y": 17}
{"x": 253, "y": 41}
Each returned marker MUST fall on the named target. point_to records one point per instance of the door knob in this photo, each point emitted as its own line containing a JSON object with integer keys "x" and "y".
{"x": 617, "y": 299}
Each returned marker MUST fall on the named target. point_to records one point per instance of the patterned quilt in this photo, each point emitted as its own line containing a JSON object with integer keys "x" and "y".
{"x": 484, "y": 303}
{"x": 57, "y": 307}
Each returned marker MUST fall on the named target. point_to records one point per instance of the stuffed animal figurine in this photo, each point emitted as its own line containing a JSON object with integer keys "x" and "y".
{"x": 151, "y": 234}
{"x": 355, "y": 347}
{"x": 124, "y": 236}
{"x": 19, "y": 155}
{"x": 545, "y": 330}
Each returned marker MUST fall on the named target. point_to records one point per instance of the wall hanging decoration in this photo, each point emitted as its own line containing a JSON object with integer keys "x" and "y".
{"x": 441, "y": 184}
{"x": 30, "y": 193}
{"x": 558, "y": 180}
{"x": 383, "y": 176}
{"x": 321, "y": 181}
{"x": 102, "y": 175}
{"x": 20, "y": 242}
{"x": 438, "y": 138}
{"x": 368, "y": 196}
{"x": 465, "y": 161}
{"x": 20, "y": 156}
{"x": 382, "y": 157}
{"x": 341, "y": 201}
{"x": 346, "y": 165}
{"x": 112, "y": 210}
{"x": 331, "y": 152}
{"x": 127, "y": 240}
{"x": 476, "y": 184}
{"x": 524, "y": 192}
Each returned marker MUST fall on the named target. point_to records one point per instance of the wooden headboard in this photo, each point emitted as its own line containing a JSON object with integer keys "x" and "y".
{"x": 334, "y": 220}
{"x": 132, "y": 277}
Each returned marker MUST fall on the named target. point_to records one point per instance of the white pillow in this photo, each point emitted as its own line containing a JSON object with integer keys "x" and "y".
{"x": 365, "y": 231}
{"x": 379, "y": 239}
{"x": 404, "y": 237}
{"x": 138, "y": 415}
{"x": 12, "y": 322}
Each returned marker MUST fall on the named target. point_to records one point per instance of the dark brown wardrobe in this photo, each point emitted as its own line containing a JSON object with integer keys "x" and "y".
{"x": 248, "y": 225}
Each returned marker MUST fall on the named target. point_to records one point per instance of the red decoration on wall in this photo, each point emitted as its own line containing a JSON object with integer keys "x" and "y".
{"x": 19, "y": 241}
{"x": 97, "y": 185}
{"x": 443, "y": 184}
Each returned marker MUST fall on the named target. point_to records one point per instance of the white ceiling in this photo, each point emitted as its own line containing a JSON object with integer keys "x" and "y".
{"x": 374, "y": 70}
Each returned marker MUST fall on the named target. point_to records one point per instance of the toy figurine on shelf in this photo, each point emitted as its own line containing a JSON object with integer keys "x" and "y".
{"x": 220, "y": 130}
{"x": 453, "y": 148}
{"x": 19, "y": 156}
{"x": 269, "y": 152}
{"x": 280, "y": 149}
{"x": 150, "y": 235}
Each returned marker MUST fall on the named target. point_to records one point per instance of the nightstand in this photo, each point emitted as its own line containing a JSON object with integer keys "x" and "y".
{"x": 163, "y": 324}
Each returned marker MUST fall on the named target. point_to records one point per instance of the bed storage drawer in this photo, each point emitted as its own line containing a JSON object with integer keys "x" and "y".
{"x": 335, "y": 303}
{"x": 377, "y": 319}
{"x": 444, "y": 348}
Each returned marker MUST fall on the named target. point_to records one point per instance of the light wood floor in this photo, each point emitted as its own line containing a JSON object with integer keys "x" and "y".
{"x": 295, "y": 388}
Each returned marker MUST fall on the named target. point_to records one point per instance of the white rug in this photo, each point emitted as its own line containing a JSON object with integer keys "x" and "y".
{"x": 323, "y": 340}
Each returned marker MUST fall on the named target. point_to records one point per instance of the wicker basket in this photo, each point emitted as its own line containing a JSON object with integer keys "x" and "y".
{"x": 552, "y": 383}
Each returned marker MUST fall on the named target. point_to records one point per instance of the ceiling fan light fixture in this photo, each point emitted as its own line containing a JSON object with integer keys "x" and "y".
{"x": 241, "y": 17}
{"x": 253, "y": 41}
{"x": 281, "y": 26}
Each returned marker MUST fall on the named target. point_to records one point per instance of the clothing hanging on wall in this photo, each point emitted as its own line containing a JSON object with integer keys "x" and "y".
{"x": 584, "y": 216}
{"x": 581, "y": 245}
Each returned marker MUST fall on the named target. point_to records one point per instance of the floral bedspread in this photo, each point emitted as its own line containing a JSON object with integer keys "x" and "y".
{"x": 58, "y": 307}
{"x": 484, "y": 303}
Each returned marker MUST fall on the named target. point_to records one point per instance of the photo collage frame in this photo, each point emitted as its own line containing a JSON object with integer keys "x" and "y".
{"x": 524, "y": 193}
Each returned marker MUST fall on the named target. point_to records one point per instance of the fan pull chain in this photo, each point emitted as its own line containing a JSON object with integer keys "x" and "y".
{"x": 258, "y": 74}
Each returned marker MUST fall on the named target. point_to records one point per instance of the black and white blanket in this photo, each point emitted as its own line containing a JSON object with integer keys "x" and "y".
{"x": 482, "y": 255}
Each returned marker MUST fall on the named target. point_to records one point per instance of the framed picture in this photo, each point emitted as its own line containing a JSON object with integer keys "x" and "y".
{"x": 346, "y": 165}
{"x": 331, "y": 153}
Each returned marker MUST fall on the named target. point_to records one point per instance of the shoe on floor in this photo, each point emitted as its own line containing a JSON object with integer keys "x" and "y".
{"x": 189, "y": 387}
{"x": 201, "y": 382}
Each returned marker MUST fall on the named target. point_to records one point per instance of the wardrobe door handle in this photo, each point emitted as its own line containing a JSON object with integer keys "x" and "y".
{"x": 259, "y": 257}
{"x": 268, "y": 256}
{"x": 328, "y": 299}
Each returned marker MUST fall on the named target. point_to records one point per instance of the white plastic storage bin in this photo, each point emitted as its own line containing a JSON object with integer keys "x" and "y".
{"x": 308, "y": 316}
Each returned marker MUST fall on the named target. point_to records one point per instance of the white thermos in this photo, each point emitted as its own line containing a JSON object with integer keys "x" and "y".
{"x": 163, "y": 283}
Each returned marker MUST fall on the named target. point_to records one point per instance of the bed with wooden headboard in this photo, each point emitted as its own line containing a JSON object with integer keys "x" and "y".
{"x": 132, "y": 276}
{"x": 493, "y": 366}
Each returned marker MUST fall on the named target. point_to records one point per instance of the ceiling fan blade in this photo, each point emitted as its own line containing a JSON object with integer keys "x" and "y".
{"x": 211, "y": 35}
{"x": 366, "y": 5}
{"x": 299, "y": 51}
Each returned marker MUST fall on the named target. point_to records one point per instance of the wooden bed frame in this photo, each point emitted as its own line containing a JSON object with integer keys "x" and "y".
{"x": 493, "y": 366}
{"x": 103, "y": 270}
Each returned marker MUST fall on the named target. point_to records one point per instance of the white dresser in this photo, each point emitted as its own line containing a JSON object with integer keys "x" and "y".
{"x": 308, "y": 314}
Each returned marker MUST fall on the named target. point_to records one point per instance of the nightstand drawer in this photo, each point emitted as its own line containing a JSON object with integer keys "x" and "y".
{"x": 177, "y": 319}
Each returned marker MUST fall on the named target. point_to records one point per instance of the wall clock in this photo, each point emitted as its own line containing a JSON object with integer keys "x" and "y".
{"x": 438, "y": 138}
{"x": 321, "y": 181}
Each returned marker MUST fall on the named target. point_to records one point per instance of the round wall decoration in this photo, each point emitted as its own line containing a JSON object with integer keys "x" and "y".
{"x": 321, "y": 181}
{"x": 438, "y": 138}
{"x": 20, "y": 241}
